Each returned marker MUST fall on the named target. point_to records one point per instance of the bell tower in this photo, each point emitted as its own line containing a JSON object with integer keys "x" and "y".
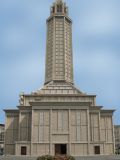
{"x": 59, "y": 58}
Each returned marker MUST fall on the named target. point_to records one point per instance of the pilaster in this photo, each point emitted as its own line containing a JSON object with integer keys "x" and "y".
{"x": 51, "y": 153}
{"x": 88, "y": 131}
{"x": 69, "y": 145}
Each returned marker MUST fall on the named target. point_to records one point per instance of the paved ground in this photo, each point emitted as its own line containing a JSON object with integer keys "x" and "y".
{"x": 98, "y": 158}
{"x": 17, "y": 158}
{"x": 77, "y": 158}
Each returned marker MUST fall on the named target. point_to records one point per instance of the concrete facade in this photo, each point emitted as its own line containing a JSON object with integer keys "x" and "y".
{"x": 2, "y": 129}
{"x": 59, "y": 118}
{"x": 117, "y": 138}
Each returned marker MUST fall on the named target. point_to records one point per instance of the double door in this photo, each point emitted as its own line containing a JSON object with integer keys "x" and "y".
{"x": 60, "y": 149}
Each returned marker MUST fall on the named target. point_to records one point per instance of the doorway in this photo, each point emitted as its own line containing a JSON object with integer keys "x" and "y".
{"x": 97, "y": 149}
{"x": 60, "y": 149}
{"x": 23, "y": 150}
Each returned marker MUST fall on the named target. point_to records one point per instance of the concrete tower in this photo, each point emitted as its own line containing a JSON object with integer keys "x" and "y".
{"x": 59, "y": 60}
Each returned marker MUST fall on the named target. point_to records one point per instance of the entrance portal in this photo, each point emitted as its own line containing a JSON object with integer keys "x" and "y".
{"x": 97, "y": 149}
{"x": 60, "y": 149}
{"x": 23, "y": 150}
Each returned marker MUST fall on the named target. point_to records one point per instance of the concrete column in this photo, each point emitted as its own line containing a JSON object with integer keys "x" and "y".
{"x": 51, "y": 152}
{"x": 19, "y": 126}
{"x": 27, "y": 125}
{"x": 5, "y": 134}
{"x": 64, "y": 48}
{"x": 104, "y": 148}
{"x": 31, "y": 148}
{"x": 69, "y": 144}
{"x": 99, "y": 127}
{"x": 113, "y": 132}
{"x": 54, "y": 47}
{"x": 88, "y": 133}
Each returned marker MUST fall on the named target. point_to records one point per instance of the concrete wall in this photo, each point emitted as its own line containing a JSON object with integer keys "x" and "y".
{"x": 25, "y": 126}
{"x": 11, "y": 132}
{"x": 40, "y": 129}
{"x": 18, "y": 148}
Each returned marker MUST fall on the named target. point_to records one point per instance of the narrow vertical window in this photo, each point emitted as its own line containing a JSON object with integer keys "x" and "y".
{"x": 41, "y": 118}
{"x": 59, "y": 8}
{"x": 60, "y": 120}
{"x": 78, "y": 123}
{"x": 53, "y": 9}
{"x": 41, "y": 126}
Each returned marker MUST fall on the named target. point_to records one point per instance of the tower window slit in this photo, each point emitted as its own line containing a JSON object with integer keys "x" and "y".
{"x": 53, "y": 9}
{"x": 59, "y": 8}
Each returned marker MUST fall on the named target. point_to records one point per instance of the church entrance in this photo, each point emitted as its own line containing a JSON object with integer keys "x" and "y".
{"x": 60, "y": 149}
{"x": 23, "y": 150}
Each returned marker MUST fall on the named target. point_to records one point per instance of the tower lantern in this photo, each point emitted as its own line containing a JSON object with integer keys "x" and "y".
{"x": 59, "y": 7}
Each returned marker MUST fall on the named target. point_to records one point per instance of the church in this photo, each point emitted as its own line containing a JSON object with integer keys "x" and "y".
{"x": 59, "y": 119}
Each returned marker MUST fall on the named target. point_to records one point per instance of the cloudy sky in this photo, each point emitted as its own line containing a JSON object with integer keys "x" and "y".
{"x": 96, "y": 49}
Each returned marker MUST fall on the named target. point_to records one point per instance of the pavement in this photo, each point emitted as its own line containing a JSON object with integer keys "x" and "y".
{"x": 115, "y": 157}
{"x": 17, "y": 158}
{"x": 98, "y": 157}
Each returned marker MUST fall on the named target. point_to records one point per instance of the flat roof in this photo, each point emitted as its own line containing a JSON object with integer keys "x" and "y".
{"x": 11, "y": 110}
